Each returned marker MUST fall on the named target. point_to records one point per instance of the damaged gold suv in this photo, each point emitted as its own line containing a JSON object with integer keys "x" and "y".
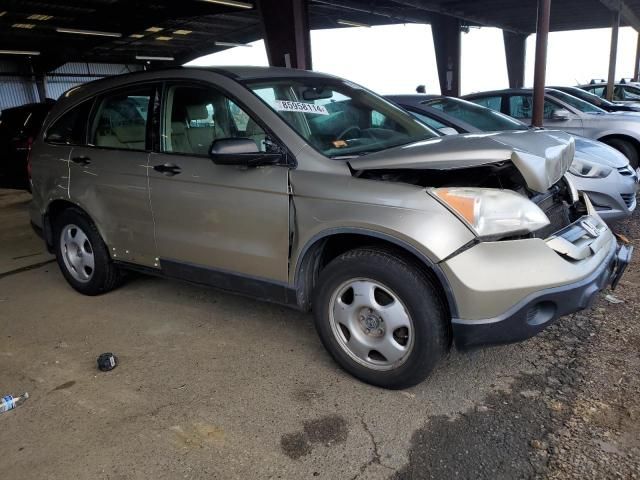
{"x": 309, "y": 190}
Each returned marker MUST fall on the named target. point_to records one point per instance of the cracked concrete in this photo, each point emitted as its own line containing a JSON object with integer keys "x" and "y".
{"x": 375, "y": 458}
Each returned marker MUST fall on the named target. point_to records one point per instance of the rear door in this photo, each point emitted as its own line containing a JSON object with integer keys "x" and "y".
{"x": 521, "y": 107}
{"x": 215, "y": 218}
{"x": 109, "y": 173}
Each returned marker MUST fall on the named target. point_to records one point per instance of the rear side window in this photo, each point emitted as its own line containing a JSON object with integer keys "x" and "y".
{"x": 598, "y": 91}
{"x": 120, "y": 120}
{"x": 70, "y": 128}
{"x": 494, "y": 103}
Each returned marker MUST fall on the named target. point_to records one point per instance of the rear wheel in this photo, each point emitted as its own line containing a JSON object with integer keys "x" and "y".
{"x": 82, "y": 255}
{"x": 380, "y": 318}
{"x": 627, "y": 148}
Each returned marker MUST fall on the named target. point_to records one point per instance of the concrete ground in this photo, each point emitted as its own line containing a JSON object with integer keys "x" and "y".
{"x": 211, "y": 385}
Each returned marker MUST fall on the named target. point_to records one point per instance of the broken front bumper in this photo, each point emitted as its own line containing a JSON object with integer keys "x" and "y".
{"x": 531, "y": 315}
{"x": 509, "y": 291}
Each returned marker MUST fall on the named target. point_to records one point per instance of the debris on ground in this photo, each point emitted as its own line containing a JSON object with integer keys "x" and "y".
{"x": 107, "y": 361}
{"x": 611, "y": 299}
{"x": 10, "y": 402}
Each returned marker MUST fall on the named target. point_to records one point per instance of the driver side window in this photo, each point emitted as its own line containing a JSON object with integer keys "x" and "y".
{"x": 195, "y": 116}
{"x": 521, "y": 107}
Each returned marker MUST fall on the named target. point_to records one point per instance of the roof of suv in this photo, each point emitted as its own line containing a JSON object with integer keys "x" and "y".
{"x": 238, "y": 73}
{"x": 505, "y": 91}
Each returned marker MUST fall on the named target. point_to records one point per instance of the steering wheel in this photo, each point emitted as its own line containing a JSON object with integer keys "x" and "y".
{"x": 349, "y": 129}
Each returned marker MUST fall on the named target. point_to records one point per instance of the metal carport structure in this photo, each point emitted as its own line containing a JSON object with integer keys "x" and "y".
{"x": 41, "y": 35}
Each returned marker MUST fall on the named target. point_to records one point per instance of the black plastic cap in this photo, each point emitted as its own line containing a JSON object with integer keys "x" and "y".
{"x": 107, "y": 361}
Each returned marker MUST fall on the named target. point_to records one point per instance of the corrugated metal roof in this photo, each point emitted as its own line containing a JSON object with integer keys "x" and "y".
{"x": 208, "y": 22}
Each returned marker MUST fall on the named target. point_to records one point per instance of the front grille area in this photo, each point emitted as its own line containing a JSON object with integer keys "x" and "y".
{"x": 555, "y": 208}
{"x": 558, "y": 214}
{"x": 628, "y": 199}
{"x": 626, "y": 171}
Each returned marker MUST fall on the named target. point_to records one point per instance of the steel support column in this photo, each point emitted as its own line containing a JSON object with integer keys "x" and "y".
{"x": 515, "y": 49}
{"x": 285, "y": 26}
{"x": 41, "y": 85}
{"x": 613, "y": 54}
{"x": 540, "y": 71}
{"x": 636, "y": 72}
{"x": 447, "y": 40}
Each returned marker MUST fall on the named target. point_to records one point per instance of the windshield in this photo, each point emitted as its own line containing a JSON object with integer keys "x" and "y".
{"x": 587, "y": 96}
{"x": 577, "y": 103}
{"x": 480, "y": 117}
{"x": 338, "y": 118}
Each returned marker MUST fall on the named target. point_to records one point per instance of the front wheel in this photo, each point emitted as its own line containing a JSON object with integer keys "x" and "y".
{"x": 380, "y": 317}
{"x": 626, "y": 148}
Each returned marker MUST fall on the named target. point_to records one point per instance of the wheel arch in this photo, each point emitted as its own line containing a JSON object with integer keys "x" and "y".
{"x": 54, "y": 209}
{"x": 621, "y": 136}
{"x": 327, "y": 245}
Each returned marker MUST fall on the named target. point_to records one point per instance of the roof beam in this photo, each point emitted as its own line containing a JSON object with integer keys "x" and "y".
{"x": 374, "y": 10}
{"x": 626, "y": 13}
{"x": 436, "y": 7}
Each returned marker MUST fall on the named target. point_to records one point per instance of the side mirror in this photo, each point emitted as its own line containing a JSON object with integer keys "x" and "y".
{"x": 448, "y": 131}
{"x": 561, "y": 115}
{"x": 241, "y": 151}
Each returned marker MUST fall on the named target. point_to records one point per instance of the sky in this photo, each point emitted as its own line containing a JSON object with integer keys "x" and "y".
{"x": 396, "y": 58}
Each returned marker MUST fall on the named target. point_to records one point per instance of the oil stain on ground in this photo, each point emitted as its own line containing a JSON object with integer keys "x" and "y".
{"x": 327, "y": 431}
{"x": 64, "y": 386}
{"x": 516, "y": 432}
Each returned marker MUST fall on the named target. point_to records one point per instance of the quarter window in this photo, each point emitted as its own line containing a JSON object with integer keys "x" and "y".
{"x": 70, "y": 128}
{"x": 194, "y": 117}
{"x": 121, "y": 119}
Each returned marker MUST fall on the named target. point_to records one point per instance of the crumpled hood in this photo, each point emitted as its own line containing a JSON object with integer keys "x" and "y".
{"x": 541, "y": 156}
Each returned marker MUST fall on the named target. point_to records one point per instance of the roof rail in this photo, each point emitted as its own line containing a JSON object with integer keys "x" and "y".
{"x": 597, "y": 80}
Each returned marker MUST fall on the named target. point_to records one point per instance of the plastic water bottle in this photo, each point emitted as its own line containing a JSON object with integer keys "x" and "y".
{"x": 9, "y": 402}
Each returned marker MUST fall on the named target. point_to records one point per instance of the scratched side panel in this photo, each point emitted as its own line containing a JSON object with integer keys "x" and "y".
{"x": 113, "y": 190}
{"x": 50, "y": 177}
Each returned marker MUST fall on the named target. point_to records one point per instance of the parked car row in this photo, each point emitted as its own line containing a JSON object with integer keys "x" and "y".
{"x": 311, "y": 191}
{"x": 571, "y": 114}
{"x": 598, "y": 169}
{"x": 18, "y": 128}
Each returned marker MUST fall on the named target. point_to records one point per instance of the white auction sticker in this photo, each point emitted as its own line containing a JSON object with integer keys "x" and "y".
{"x": 287, "y": 106}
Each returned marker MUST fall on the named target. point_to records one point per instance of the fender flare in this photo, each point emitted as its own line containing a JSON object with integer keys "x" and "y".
{"x": 425, "y": 261}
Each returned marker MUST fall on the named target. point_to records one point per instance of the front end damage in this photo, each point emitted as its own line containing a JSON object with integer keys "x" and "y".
{"x": 520, "y": 273}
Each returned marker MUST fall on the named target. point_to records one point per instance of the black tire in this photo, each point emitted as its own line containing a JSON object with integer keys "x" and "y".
{"x": 627, "y": 148}
{"x": 105, "y": 276}
{"x": 416, "y": 292}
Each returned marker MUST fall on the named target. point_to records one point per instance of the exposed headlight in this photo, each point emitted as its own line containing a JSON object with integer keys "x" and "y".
{"x": 584, "y": 168}
{"x": 491, "y": 212}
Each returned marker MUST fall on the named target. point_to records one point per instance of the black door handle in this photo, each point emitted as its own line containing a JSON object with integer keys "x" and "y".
{"x": 168, "y": 169}
{"x": 82, "y": 160}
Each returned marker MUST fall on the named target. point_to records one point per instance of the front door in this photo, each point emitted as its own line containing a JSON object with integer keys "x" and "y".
{"x": 212, "y": 220}
{"x": 109, "y": 174}
{"x": 521, "y": 107}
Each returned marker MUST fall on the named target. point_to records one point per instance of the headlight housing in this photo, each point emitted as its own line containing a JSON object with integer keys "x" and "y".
{"x": 586, "y": 169}
{"x": 493, "y": 213}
